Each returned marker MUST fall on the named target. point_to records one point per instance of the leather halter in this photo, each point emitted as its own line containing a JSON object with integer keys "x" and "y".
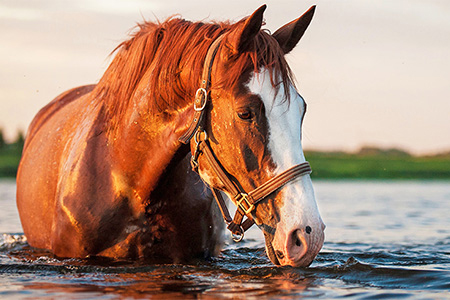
{"x": 244, "y": 201}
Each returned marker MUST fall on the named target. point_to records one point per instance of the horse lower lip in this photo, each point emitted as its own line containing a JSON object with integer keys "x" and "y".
{"x": 302, "y": 262}
{"x": 271, "y": 254}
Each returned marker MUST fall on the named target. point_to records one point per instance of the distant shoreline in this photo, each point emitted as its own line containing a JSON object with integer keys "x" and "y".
{"x": 368, "y": 163}
{"x": 374, "y": 163}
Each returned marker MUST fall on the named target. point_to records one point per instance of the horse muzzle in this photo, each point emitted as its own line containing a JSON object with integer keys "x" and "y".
{"x": 296, "y": 247}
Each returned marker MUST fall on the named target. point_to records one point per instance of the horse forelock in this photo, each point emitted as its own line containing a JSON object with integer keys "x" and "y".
{"x": 170, "y": 47}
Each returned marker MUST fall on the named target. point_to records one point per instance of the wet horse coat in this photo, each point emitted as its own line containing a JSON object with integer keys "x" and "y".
{"x": 103, "y": 171}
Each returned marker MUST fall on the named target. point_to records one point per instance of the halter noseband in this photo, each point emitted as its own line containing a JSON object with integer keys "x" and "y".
{"x": 245, "y": 202}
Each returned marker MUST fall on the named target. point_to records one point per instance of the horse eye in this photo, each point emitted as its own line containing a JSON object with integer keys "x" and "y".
{"x": 245, "y": 115}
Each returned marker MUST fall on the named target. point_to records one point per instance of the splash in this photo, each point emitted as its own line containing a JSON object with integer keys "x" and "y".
{"x": 12, "y": 241}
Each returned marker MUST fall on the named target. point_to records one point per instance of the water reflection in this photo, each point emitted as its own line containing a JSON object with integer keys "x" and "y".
{"x": 178, "y": 282}
{"x": 350, "y": 266}
{"x": 229, "y": 276}
{"x": 383, "y": 240}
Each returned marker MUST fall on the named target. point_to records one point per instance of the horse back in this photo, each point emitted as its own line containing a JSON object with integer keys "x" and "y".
{"x": 53, "y": 107}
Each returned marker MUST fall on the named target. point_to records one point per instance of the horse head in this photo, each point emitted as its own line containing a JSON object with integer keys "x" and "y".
{"x": 252, "y": 128}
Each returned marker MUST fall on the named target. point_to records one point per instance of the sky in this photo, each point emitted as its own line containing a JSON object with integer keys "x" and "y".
{"x": 374, "y": 73}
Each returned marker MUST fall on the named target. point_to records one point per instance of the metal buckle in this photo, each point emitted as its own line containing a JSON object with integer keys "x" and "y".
{"x": 197, "y": 95}
{"x": 244, "y": 199}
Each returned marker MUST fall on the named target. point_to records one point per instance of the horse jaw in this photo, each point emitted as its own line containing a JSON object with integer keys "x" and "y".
{"x": 299, "y": 232}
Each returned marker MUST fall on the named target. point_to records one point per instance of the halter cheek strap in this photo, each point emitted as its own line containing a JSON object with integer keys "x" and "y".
{"x": 201, "y": 96}
{"x": 244, "y": 201}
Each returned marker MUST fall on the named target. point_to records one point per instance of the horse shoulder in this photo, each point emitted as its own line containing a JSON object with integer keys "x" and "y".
{"x": 38, "y": 168}
{"x": 91, "y": 212}
{"x": 64, "y": 188}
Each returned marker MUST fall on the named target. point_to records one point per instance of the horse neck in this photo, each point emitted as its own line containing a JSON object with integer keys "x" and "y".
{"x": 147, "y": 124}
{"x": 146, "y": 143}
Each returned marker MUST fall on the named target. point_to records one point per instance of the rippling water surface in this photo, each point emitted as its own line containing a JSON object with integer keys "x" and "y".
{"x": 383, "y": 240}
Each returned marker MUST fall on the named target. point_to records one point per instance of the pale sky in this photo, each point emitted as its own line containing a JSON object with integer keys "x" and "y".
{"x": 372, "y": 72}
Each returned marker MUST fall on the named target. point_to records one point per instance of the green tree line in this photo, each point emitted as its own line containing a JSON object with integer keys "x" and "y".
{"x": 10, "y": 154}
{"x": 368, "y": 163}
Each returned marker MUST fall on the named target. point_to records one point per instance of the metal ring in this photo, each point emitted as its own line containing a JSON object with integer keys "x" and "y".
{"x": 237, "y": 238}
{"x": 198, "y": 133}
{"x": 205, "y": 95}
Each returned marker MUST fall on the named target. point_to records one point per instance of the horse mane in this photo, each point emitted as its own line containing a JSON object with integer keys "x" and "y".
{"x": 171, "y": 47}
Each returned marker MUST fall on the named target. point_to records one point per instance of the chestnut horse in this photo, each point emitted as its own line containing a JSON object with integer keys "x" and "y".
{"x": 106, "y": 168}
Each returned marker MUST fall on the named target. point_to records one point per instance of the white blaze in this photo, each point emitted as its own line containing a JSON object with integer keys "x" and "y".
{"x": 284, "y": 120}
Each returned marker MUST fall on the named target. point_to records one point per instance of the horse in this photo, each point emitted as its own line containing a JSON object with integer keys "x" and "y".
{"x": 186, "y": 113}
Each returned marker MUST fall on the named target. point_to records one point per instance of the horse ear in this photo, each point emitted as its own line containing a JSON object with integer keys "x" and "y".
{"x": 241, "y": 39}
{"x": 289, "y": 35}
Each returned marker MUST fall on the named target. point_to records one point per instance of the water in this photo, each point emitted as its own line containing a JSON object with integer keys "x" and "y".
{"x": 383, "y": 240}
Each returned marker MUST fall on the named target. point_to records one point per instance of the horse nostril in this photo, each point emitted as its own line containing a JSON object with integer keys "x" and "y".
{"x": 308, "y": 229}
{"x": 297, "y": 240}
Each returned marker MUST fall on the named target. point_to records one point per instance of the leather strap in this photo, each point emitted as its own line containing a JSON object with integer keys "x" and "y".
{"x": 260, "y": 192}
{"x": 201, "y": 96}
{"x": 280, "y": 180}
